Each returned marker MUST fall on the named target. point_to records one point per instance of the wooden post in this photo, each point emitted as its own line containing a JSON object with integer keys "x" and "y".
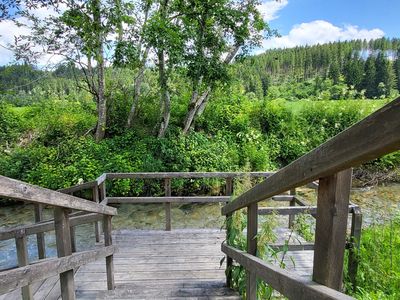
{"x": 63, "y": 240}
{"x": 167, "y": 186}
{"x": 355, "y": 236}
{"x": 229, "y": 260}
{"x": 72, "y": 232}
{"x": 292, "y": 203}
{"x": 252, "y": 224}
{"x": 102, "y": 190}
{"x": 41, "y": 243}
{"x": 331, "y": 226}
{"x": 109, "y": 259}
{"x": 95, "y": 198}
{"x": 23, "y": 260}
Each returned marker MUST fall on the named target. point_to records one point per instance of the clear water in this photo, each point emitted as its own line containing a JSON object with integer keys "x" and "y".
{"x": 378, "y": 204}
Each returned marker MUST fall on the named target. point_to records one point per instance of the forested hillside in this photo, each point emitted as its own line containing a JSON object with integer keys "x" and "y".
{"x": 359, "y": 69}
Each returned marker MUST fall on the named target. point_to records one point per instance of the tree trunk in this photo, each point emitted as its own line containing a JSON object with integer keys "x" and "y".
{"x": 101, "y": 99}
{"x": 195, "y": 103}
{"x": 137, "y": 92}
{"x": 165, "y": 99}
{"x": 198, "y": 103}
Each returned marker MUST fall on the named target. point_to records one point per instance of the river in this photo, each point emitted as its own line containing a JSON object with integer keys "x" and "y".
{"x": 378, "y": 204}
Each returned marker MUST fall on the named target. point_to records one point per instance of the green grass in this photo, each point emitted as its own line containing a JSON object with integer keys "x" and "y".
{"x": 378, "y": 276}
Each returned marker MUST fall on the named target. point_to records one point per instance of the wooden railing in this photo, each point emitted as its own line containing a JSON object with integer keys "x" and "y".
{"x": 63, "y": 223}
{"x": 371, "y": 138}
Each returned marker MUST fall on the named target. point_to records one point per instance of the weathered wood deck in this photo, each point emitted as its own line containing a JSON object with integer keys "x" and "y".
{"x": 153, "y": 264}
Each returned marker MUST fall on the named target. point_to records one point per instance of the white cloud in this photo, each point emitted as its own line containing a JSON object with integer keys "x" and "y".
{"x": 269, "y": 9}
{"x": 8, "y": 32}
{"x": 319, "y": 32}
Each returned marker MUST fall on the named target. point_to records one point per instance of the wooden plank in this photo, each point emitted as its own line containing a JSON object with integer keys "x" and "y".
{"x": 18, "y": 190}
{"x": 109, "y": 259}
{"x": 331, "y": 226}
{"x": 96, "y": 199}
{"x": 45, "y": 226}
{"x": 41, "y": 243}
{"x": 102, "y": 178}
{"x": 22, "y": 256}
{"x": 370, "y": 138}
{"x": 283, "y": 198}
{"x": 175, "y": 199}
{"x": 78, "y": 187}
{"x": 287, "y": 283}
{"x": 162, "y": 175}
{"x": 355, "y": 238}
{"x": 167, "y": 187}
{"x": 229, "y": 261}
{"x": 252, "y": 227}
{"x": 63, "y": 242}
{"x": 293, "y": 247}
{"x": 288, "y": 210}
{"x": 19, "y": 277}
{"x": 292, "y": 218}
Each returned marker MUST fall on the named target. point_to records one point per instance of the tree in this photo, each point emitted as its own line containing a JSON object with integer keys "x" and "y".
{"x": 385, "y": 77}
{"x": 354, "y": 71}
{"x": 334, "y": 71}
{"x": 215, "y": 32}
{"x": 369, "y": 82}
{"x": 78, "y": 34}
{"x": 397, "y": 69}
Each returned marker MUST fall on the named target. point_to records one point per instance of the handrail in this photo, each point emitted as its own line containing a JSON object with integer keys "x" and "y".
{"x": 331, "y": 163}
{"x": 175, "y": 175}
{"x": 370, "y": 138}
{"x": 23, "y": 276}
{"x": 45, "y": 226}
{"x": 63, "y": 224}
{"x": 18, "y": 190}
{"x": 78, "y": 187}
{"x": 285, "y": 282}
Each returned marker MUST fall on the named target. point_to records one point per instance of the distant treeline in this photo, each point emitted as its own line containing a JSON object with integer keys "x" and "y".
{"x": 372, "y": 66}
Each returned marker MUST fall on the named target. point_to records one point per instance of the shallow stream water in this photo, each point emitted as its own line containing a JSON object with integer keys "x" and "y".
{"x": 378, "y": 204}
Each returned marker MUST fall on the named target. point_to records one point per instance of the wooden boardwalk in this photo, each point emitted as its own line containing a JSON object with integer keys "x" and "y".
{"x": 149, "y": 264}
{"x": 157, "y": 264}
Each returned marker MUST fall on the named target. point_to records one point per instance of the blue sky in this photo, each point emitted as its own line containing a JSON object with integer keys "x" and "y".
{"x": 302, "y": 22}
{"x": 368, "y": 14}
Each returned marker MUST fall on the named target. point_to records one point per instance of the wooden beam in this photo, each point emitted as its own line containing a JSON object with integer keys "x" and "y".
{"x": 292, "y": 218}
{"x": 41, "y": 243}
{"x": 63, "y": 241}
{"x": 229, "y": 260}
{"x": 283, "y": 198}
{"x": 292, "y": 247}
{"x": 287, "y": 283}
{"x": 109, "y": 258}
{"x": 175, "y": 199}
{"x": 331, "y": 226}
{"x": 370, "y": 138}
{"x": 18, "y": 190}
{"x": 288, "y": 210}
{"x": 96, "y": 199}
{"x": 167, "y": 187}
{"x": 252, "y": 230}
{"x": 19, "y": 277}
{"x": 22, "y": 255}
{"x": 78, "y": 187}
{"x": 355, "y": 239}
{"x": 162, "y": 175}
{"x": 45, "y": 226}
